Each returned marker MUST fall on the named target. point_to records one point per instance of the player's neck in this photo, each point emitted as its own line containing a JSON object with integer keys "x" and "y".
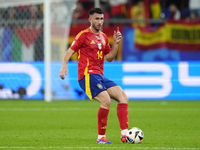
{"x": 94, "y": 31}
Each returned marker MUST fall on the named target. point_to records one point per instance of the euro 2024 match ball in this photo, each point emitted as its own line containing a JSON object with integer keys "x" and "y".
{"x": 135, "y": 135}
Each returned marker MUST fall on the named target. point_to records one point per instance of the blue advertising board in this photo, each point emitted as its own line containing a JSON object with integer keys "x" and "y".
{"x": 140, "y": 81}
{"x": 156, "y": 81}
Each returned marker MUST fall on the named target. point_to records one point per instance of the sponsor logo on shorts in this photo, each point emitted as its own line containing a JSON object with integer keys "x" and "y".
{"x": 99, "y": 86}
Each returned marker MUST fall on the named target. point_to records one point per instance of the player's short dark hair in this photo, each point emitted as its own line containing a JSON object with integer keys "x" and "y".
{"x": 96, "y": 10}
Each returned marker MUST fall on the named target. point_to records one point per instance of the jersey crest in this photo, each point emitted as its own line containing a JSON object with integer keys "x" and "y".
{"x": 99, "y": 45}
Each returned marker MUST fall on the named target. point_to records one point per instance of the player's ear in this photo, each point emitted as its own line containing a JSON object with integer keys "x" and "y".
{"x": 90, "y": 19}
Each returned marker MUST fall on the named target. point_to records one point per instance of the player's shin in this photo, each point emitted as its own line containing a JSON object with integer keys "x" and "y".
{"x": 102, "y": 120}
{"x": 122, "y": 113}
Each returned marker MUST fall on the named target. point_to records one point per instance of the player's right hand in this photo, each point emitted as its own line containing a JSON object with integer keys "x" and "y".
{"x": 117, "y": 36}
{"x": 63, "y": 71}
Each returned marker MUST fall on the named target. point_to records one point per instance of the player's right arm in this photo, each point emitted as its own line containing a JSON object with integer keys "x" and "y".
{"x": 76, "y": 45}
{"x": 64, "y": 69}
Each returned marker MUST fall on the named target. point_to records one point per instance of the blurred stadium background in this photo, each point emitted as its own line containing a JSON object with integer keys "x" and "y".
{"x": 158, "y": 58}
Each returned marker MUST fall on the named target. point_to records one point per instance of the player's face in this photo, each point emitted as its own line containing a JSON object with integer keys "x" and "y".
{"x": 96, "y": 21}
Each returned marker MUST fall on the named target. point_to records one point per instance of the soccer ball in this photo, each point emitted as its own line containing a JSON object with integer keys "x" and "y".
{"x": 135, "y": 135}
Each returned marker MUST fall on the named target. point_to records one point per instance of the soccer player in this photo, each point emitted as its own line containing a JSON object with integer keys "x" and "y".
{"x": 92, "y": 46}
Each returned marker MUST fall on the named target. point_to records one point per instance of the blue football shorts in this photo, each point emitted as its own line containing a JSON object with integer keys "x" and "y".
{"x": 93, "y": 84}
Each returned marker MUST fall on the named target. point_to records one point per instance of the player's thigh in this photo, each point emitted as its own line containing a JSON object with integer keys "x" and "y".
{"x": 104, "y": 99}
{"x": 117, "y": 94}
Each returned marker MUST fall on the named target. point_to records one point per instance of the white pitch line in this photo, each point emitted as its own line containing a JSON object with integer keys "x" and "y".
{"x": 88, "y": 109}
{"x": 162, "y": 148}
{"x": 39, "y": 109}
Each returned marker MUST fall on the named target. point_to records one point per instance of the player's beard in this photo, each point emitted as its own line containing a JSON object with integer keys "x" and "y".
{"x": 96, "y": 28}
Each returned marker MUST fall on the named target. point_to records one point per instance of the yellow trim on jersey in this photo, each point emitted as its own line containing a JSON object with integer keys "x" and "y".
{"x": 87, "y": 82}
{"x": 103, "y": 33}
{"x": 86, "y": 30}
{"x": 79, "y": 53}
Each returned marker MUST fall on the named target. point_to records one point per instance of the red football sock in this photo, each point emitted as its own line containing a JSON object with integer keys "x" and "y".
{"x": 102, "y": 120}
{"x": 122, "y": 113}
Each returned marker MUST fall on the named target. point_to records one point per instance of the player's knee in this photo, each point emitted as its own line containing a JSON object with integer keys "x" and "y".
{"x": 124, "y": 98}
{"x": 106, "y": 103}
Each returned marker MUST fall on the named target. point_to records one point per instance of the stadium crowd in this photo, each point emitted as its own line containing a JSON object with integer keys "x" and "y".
{"x": 142, "y": 9}
{"x": 114, "y": 9}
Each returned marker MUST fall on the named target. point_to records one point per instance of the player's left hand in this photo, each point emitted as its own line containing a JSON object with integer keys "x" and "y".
{"x": 117, "y": 36}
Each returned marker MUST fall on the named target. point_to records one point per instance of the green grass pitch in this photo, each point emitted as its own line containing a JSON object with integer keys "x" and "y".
{"x": 72, "y": 125}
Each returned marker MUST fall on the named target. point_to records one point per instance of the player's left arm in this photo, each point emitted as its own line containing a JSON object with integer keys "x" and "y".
{"x": 117, "y": 38}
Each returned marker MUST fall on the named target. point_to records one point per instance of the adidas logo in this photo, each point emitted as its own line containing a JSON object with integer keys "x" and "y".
{"x": 92, "y": 42}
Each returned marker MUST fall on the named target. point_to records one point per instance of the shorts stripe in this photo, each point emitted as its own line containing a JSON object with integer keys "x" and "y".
{"x": 87, "y": 82}
{"x": 87, "y": 86}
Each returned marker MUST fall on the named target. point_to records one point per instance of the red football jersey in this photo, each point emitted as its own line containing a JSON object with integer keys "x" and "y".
{"x": 91, "y": 49}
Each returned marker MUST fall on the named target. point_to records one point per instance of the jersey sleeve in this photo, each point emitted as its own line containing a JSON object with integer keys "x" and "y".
{"x": 107, "y": 46}
{"x": 78, "y": 42}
